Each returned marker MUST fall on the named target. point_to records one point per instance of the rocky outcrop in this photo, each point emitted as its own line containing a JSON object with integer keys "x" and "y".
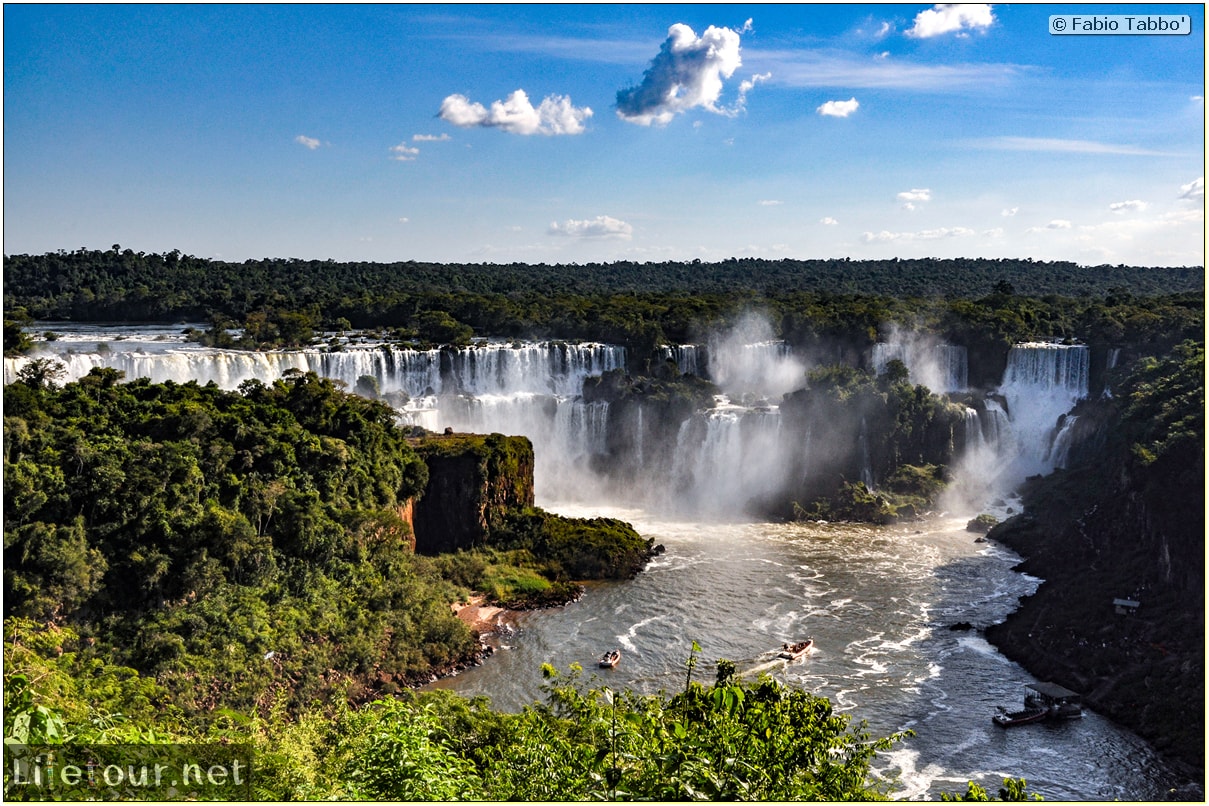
{"x": 474, "y": 481}
{"x": 1116, "y": 528}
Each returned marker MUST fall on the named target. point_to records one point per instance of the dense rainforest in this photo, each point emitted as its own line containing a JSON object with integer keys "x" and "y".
{"x": 185, "y": 564}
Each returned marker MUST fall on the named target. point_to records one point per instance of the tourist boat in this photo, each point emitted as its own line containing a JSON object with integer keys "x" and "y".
{"x": 1043, "y": 701}
{"x": 610, "y": 659}
{"x": 1004, "y": 719}
{"x": 1059, "y": 702}
{"x": 795, "y": 651}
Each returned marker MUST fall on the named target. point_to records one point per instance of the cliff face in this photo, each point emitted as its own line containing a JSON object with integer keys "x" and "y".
{"x": 1117, "y": 527}
{"x": 473, "y": 482}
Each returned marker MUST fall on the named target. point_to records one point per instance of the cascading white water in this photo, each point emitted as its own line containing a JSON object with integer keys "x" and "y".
{"x": 1059, "y": 451}
{"x": 1041, "y": 383}
{"x": 940, "y": 367}
{"x": 686, "y": 357}
{"x": 542, "y": 368}
{"x": 725, "y": 457}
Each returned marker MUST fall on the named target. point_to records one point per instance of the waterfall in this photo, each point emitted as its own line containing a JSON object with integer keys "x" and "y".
{"x": 1025, "y": 428}
{"x": 941, "y": 367}
{"x": 1041, "y": 383}
{"x": 494, "y": 368}
{"x": 765, "y": 369}
{"x": 866, "y": 465}
{"x": 1059, "y": 450}
{"x": 686, "y": 357}
{"x": 726, "y": 456}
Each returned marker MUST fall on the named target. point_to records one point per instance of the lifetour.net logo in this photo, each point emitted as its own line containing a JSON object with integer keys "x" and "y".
{"x": 148, "y": 772}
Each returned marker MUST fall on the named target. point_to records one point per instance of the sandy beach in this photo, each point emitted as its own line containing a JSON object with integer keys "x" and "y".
{"x": 481, "y": 618}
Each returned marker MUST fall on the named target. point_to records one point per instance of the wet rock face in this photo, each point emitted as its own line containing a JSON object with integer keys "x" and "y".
{"x": 473, "y": 482}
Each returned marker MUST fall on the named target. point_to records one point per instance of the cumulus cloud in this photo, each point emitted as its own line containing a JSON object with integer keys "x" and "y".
{"x": 404, "y": 153}
{"x": 922, "y": 235}
{"x": 838, "y": 109}
{"x": 915, "y": 194}
{"x": 945, "y": 18}
{"x": 1128, "y": 206}
{"x": 828, "y": 221}
{"x": 1194, "y": 190}
{"x": 770, "y": 202}
{"x": 602, "y": 226}
{"x": 688, "y": 72}
{"x": 1008, "y": 212}
{"x": 517, "y": 115}
{"x": 430, "y": 138}
{"x": 309, "y": 142}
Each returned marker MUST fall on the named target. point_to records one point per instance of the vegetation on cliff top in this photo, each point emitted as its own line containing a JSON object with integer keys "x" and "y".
{"x": 1126, "y": 519}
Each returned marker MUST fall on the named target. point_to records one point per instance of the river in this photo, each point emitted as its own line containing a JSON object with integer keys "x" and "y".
{"x": 879, "y": 602}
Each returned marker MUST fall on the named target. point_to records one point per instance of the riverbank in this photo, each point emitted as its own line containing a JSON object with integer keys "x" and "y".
{"x": 1144, "y": 669}
{"x": 479, "y": 616}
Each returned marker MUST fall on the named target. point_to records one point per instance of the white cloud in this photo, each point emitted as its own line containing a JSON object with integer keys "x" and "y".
{"x": 1057, "y": 223}
{"x": 922, "y": 235}
{"x": 309, "y": 142}
{"x": 997, "y": 232}
{"x": 770, "y": 202}
{"x": 828, "y": 69}
{"x": 838, "y": 109}
{"x": 602, "y": 226}
{"x": 687, "y": 73}
{"x": 1066, "y": 146}
{"x": 745, "y": 87}
{"x": 945, "y": 18}
{"x": 1008, "y": 212}
{"x": 828, "y": 221}
{"x": 404, "y": 220}
{"x": 1194, "y": 190}
{"x": 1127, "y": 206}
{"x": 430, "y": 138}
{"x": 915, "y": 195}
{"x": 404, "y": 153}
{"x": 516, "y": 115}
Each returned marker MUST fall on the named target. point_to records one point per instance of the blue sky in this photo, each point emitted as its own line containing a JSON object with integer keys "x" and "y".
{"x": 543, "y": 133}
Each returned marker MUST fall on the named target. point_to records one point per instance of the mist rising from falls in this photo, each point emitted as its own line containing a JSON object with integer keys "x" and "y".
{"x": 747, "y": 360}
{"x": 939, "y": 366}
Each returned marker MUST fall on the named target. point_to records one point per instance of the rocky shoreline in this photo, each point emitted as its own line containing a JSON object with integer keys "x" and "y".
{"x": 1143, "y": 670}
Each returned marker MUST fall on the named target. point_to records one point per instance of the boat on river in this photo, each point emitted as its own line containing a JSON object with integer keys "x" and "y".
{"x": 1006, "y": 719}
{"x": 610, "y": 659}
{"x": 795, "y": 651}
{"x": 1059, "y": 702}
{"x": 1042, "y": 701}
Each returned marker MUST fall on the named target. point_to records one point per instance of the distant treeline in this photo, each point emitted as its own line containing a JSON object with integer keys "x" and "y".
{"x": 121, "y": 284}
